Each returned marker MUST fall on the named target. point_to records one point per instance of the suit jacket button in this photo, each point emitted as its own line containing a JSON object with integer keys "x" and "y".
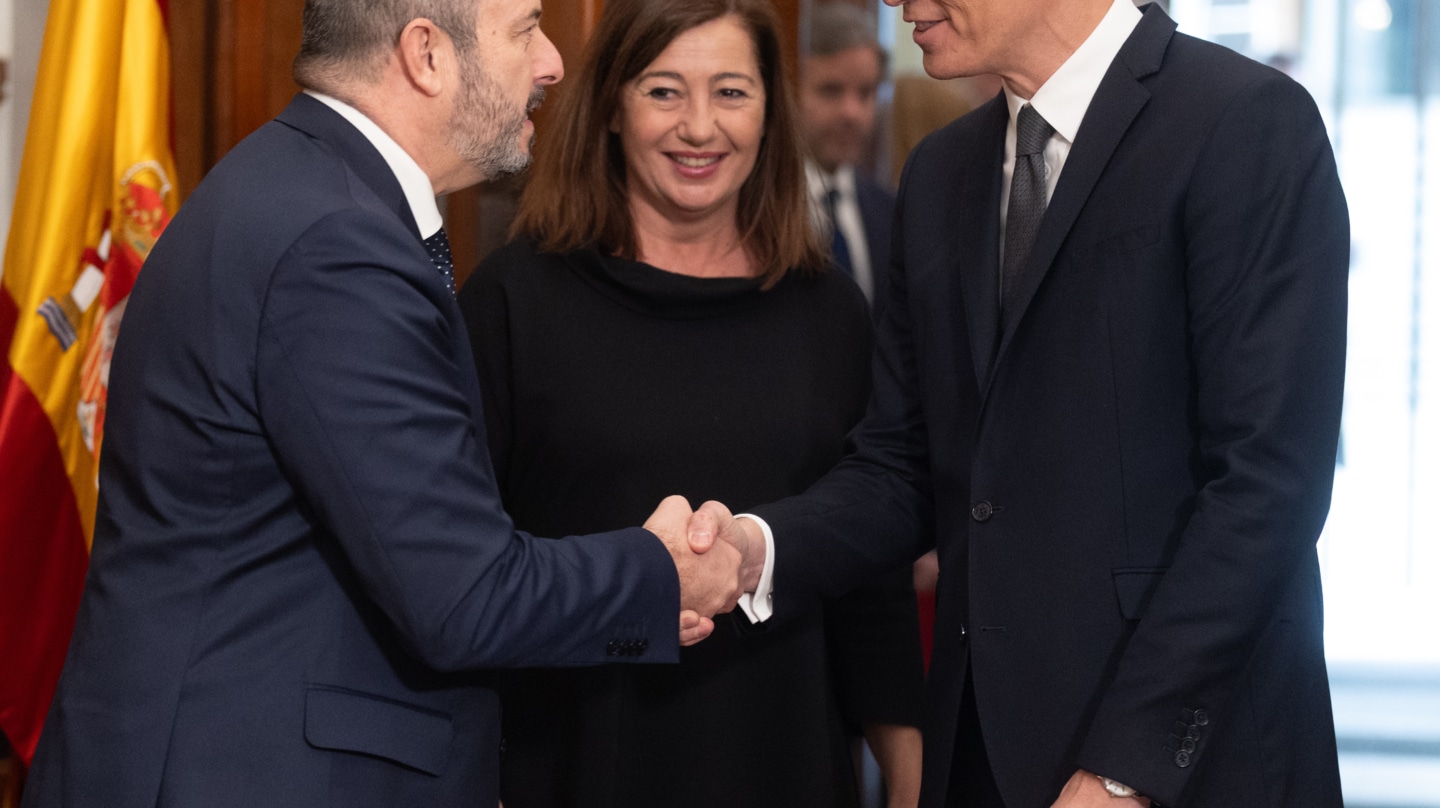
{"x": 644, "y": 646}
{"x": 982, "y": 511}
{"x": 1182, "y": 758}
{"x": 1201, "y": 719}
{"x": 612, "y": 648}
{"x": 1187, "y": 745}
{"x": 1193, "y": 733}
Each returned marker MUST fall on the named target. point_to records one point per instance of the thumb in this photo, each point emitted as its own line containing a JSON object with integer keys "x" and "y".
{"x": 707, "y": 523}
{"x": 702, "y": 530}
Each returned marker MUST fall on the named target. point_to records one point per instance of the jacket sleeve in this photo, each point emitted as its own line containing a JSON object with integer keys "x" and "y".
{"x": 1266, "y": 276}
{"x": 363, "y": 394}
{"x": 826, "y": 539}
{"x": 872, "y": 633}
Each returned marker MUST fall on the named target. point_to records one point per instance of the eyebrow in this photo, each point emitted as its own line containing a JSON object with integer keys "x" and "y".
{"x": 670, "y": 74}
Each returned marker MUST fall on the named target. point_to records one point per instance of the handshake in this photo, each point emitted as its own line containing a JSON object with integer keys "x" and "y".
{"x": 718, "y": 558}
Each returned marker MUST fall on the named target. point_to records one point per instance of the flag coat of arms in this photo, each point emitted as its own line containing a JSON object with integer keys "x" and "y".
{"x": 96, "y": 188}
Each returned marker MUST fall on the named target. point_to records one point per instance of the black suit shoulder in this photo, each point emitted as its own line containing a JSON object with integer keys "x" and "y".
{"x": 1210, "y": 78}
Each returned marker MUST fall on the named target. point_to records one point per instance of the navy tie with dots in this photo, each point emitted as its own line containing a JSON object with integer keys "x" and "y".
{"x": 438, "y": 246}
{"x": 839, "y": 247}
{"x": 1027, "y": 195}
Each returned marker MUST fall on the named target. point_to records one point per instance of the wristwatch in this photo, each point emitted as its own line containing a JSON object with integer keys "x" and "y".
{"x": 1116, "y": 789}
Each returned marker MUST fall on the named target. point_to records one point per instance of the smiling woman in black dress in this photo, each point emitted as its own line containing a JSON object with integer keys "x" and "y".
{"x": 664, "y": 323}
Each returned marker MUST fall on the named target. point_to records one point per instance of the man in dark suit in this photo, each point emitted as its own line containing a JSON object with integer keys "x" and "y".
{"x": 839, "y": 78}
{"x": 1109, "y": 376}
{"x": 300, "y": 558}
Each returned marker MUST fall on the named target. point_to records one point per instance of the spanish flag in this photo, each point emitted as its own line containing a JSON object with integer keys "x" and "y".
{"x": 96, "y": 188}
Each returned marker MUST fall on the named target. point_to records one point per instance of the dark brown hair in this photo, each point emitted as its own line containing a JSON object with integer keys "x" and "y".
{"x": 576, "y": 196}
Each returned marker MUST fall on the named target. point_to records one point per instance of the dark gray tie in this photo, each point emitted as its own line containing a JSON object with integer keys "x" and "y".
{"x": 839, "y": 247}
{"x": 438, "y": 246}
{"x": 1027, "y": 195}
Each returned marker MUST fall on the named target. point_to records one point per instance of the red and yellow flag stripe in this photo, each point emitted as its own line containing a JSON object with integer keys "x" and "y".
{"x": 95, "y": 190}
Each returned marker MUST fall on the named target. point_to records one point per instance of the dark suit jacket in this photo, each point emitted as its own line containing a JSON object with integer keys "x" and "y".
{"x": 300, "y": 555}
{"x": 877, "y": 212}
{"x": 1127, "y": 476}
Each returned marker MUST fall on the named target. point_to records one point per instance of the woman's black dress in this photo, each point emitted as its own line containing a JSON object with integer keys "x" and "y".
{"x": 610, "y": 384}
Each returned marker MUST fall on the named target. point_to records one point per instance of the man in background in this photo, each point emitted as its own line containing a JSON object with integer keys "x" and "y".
{"x": 1108, "y": 377}
{"x": 839, "y": 80}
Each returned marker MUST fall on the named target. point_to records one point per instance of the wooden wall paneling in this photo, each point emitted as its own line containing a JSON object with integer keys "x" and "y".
{"x": 190, "y": 62}
{"x": 229, "y": 74}
{"x": 246, "y": 55}
{"x": 792, "y": 15}
{"x": 282, "y": 43}
{"x": 220, "y": 102}
{"x": 258, "y": 40}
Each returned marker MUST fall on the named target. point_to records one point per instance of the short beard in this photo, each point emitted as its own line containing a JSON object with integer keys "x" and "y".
{"x": 484, "y": 130}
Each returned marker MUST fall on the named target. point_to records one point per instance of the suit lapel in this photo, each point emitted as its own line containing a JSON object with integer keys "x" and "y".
{"x": 977, "y": 223}
{"x": 1119, "y": 98}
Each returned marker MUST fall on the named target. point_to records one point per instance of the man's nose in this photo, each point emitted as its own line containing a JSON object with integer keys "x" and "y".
{"x": 549, "y": 66}
{"x": 855, "y": 106}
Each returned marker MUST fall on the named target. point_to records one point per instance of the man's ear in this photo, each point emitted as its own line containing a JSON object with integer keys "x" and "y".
{"x": 424, "y": 52}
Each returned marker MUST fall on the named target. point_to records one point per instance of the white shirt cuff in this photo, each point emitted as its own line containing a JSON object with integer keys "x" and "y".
{"x": 758, "y": 605}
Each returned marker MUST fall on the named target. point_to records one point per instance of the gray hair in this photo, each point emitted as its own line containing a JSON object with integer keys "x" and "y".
{"x": 346, "y": 41}
{"x": 839, "y": 26}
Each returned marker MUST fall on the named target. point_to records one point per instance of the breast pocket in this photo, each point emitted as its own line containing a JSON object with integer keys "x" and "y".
{"x": 346, "y": 720}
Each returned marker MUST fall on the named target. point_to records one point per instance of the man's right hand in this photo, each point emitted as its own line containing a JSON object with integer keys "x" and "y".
{"x": 715, "y": 520}
{"x": 710, "y": 581}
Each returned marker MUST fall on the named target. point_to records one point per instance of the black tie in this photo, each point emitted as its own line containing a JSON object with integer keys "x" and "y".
{"x": 1027, "y": 195}
{"x": 839, "y": 247}
{"x": 439, "y": 248}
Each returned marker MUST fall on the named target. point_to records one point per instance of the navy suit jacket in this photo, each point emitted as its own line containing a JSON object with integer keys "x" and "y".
{"x": 1127, "y": 476}
{"x": 877, "y": 212}
{"x": 300, "y": 556}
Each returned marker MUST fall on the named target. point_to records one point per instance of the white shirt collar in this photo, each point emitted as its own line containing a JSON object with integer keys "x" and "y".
{"x": 413, "y": 180}
{"x": 821, "y": 183}
{"x": 1064, "y": 97}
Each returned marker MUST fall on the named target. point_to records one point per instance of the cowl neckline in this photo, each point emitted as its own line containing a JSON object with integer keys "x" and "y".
{"x": 657, "y": 292}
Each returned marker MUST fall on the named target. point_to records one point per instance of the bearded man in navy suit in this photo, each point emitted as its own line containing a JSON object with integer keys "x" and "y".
{"x": 1108, "y": 383}
{"x": 300, "y": 558}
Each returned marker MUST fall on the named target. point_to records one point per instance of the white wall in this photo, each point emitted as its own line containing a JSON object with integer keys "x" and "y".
{"x": 22, "y": 27}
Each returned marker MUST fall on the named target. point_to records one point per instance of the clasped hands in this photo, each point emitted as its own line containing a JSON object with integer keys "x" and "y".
{"x": 713, "y": 574}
